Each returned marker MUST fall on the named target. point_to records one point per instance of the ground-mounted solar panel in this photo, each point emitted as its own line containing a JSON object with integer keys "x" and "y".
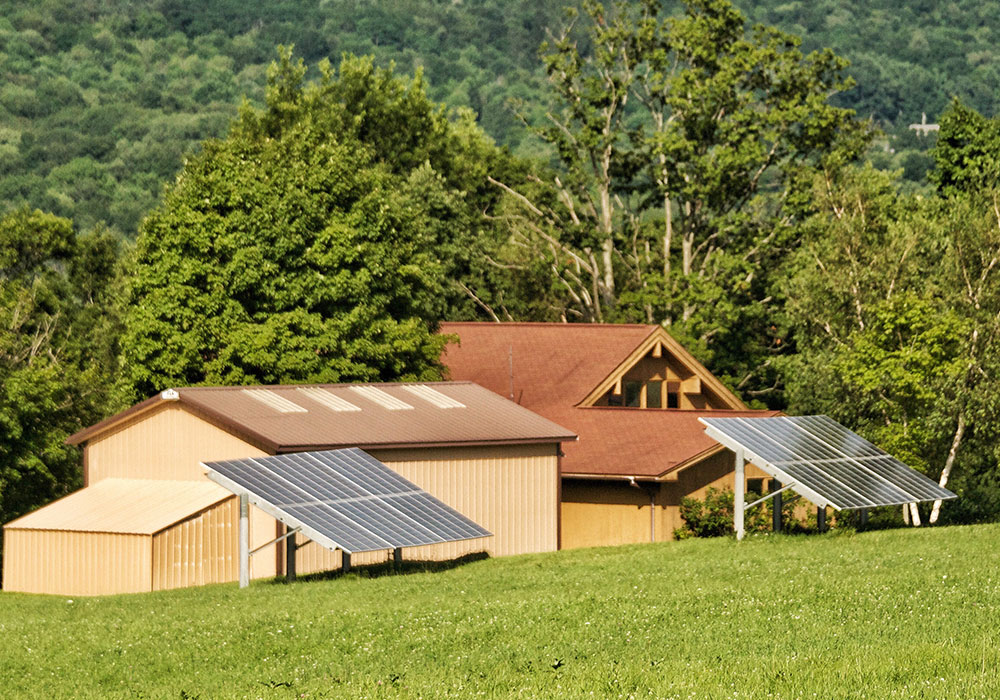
{"x": 824, "y": 461}
{"x": 344, "y": 499}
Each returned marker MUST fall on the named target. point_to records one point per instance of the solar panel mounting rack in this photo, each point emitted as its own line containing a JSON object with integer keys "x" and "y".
{"x": 824, "y": 461}
{"x": 342, "y": 499}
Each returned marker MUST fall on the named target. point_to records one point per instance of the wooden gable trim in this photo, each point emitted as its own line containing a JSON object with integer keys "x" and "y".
{"x": 659, "y": 341}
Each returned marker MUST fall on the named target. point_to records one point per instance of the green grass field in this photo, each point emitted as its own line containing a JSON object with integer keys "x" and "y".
{"x": 891, "y": 614}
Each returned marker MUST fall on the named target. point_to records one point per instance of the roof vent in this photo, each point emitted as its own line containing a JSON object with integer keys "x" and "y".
{"x": 433, "y": 396}
{"x": 169, "y": 395}
{"x": 278, "y": 403}
{"x": 382, "y": 398}
{"x": 328, "y": 399}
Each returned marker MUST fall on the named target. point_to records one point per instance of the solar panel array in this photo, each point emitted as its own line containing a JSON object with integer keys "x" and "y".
{"x": 345, "y": 499}
{"x": 818, "y": 455}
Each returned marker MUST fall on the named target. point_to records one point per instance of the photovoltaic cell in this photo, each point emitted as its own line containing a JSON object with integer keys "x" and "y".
{"x": 825, "y": 461}
{"x": 346, "y": 499}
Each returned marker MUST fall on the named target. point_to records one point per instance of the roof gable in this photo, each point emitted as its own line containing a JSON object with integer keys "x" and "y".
{"x": 540, "y": 365}
{"x": 564, "y": 371}
{"x": 658, "y": 344}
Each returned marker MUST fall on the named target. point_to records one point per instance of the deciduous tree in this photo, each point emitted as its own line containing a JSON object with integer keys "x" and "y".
{"x": 56, "y": 352}
{"x": 314, "y": 243}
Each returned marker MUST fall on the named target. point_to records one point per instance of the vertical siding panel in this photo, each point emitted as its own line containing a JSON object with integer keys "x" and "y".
{"x": 197, "y": 551}
{"x": 511, "y": 491}
{"x": 167, "y": 443}
{"x": 76, "y": 563}
{"x": 262, "y": 529}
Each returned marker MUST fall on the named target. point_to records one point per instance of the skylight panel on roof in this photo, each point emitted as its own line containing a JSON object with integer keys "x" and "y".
{"x": 382, "y": 398}
{"x": 273, "y": 400}
{"x": 433, "y": 396}
{"x": 328, "y": 399}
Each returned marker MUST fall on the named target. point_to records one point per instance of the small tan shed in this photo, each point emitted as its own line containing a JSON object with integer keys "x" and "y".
{"x": 124, "y": 536}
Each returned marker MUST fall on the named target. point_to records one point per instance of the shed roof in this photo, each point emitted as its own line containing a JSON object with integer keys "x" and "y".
{"x": 294, "y": 418}
{"x": 128, "y": 506}
{"x": 552, "y": 368}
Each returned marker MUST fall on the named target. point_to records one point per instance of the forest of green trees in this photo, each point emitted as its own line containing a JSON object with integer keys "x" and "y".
{"x": 101, "y": 101}
{"x": 186, "y": 199}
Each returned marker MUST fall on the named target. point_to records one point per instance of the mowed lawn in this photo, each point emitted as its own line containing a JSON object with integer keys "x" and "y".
{"x": 892, "y": 614}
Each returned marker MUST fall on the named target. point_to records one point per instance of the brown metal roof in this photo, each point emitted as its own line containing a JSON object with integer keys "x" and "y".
{"x": 324, "y": 416}
{"x": 129, "y": 506}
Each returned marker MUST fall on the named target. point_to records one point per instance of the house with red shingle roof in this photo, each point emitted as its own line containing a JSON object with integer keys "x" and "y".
{"x": 633, "y": 395}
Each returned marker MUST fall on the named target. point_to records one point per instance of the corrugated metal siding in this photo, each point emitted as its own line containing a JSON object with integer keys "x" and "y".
{"x": 167, "y": 443}
{"x": 263, "y": 528}
{"x": 76, "y": 563}
{"x": 311, "y": 557}
{"x": 511, "y": 491}
{"x": 198, "y": 551}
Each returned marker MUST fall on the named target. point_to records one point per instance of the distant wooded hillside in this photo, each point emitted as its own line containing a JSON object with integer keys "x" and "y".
{"x": 100, "y": 100}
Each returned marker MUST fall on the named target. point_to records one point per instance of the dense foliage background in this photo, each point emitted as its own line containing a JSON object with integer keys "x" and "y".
{"x": 181, "y": 203}
{"x": 101, "y": 101}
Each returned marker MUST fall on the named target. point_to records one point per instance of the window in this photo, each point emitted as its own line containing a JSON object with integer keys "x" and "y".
{"x": 673, "y": 394}
{"x": 654, "y": 394}
{"x": 614, "y": 399}
{"x": 633, "y": 393}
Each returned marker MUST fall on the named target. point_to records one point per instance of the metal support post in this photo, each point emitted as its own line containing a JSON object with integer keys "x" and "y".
{"x": 739, "y": 489}
{"x": 397, "y": 558}
{"x": 345, "y": 561}
{"x": 290, "y": 548}
{"x": 821, "y": 518}
{"x": 776, "y": 506}
{"x": 864, "y": 517}
{"x": 244, "y": 540}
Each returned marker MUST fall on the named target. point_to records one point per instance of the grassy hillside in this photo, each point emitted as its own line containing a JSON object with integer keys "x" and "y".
{"x": 892, "y": 614}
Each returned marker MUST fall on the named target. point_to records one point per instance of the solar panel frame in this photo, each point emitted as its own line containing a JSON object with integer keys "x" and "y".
{"x": 824, "y": 461}
{"x": 344, "y": 499}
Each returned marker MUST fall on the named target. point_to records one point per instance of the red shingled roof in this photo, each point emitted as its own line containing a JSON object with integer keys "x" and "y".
{"x": 551, "y": 367}
{"x": 634, "y": 441}
{"x": 552, "y": 364}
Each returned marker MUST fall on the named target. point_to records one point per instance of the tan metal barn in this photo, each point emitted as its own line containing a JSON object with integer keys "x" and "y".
{"x": 495, "y": 462}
